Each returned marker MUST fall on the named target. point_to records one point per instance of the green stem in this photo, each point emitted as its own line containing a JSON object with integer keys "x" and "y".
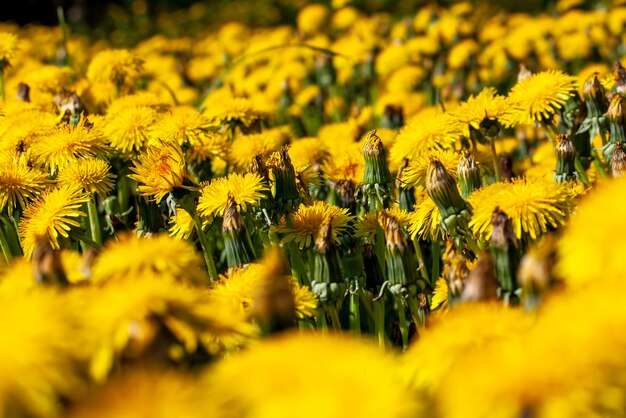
{"x": 494, "y": 159}
{"x": 402, "y": 323}
{"x": 581, "y": 171}
{"x": 94, "y": 220}
{"x": 10, "y": 229}
{"x": 420, "y": 259}
{"x": 63, "y": 24}
{"x": 415, "y": 312}
{"x": 379, "y": 323}
{"x": 207, "y": 249}
{"x": 297, "y": 265}
{"x": 598, "y": 162}
{"x": 355, "y": 313}
{"x": 6, "y": 250}
{"x": 321, "y": 320}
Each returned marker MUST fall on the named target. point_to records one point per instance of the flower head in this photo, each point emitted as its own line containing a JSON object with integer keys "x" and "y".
{"x": 305, "y": 223}
{"x": 415, "y": 173}
{"x": 159, "y": 170}
{"x": 533, "y": 204}
{"x": 19, "y": 183}
{"x": 119, "y": 66}
{"x": 182, "y": 124}
{"x": 54, "y": 213}
{"x": 486, "y": 105}
{"x": 129, "y": 131}
{"x": 537, "y": 98}
{"x": 244, "y": 189}
{"x": 8, "y": 45}
{"x": 426, "y": 218}
{"x": 160, "y": 255}
{"x": 325, "y": 388}
{"x": 91, "y": 174}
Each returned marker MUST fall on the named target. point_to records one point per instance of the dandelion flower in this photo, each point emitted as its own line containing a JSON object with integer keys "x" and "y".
{"x": 245, "y": 147}
{"x": 159, "y": 170}
{"x": 590, "y": 247}
{"x": 245, "y": 189}
{"x": 163, "y": 256}
{"x": 305, "y": 223}
{"x": 41, "y": 350}
{"x": 537, "y": 98}
{"x": 534, "y": 205}
{"x": 182, "y": 124}
{"x": 415, "y": 173}
{"x": 279, "y": 381}
{"x": 91, "y": 174}
{"x": 8, "y": 46}
{"x": 239, "y": 111}
{"x": 485, "y": 105}
{"x": 54, "y": 213}
{"x": 430, "y": 129}
{"x": 119, "y": 66}
{"x": 366, "y": 227}
{"x": 145, "y": 392}
{"x": 440, "y": 295}
{"x": 182, "y": 225}
{"x": 66, "y": 145}
{"x": 19, "y": 183}
{"x": 426, "y": 218}
{"x": 129, "y": 131}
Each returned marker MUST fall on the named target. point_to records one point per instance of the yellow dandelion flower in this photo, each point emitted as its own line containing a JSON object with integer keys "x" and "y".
{"x": 8, "y": 46}
{"x": 234, "y": 110}
{"x": 19, "y": 183}
{"x": 446, "y": 342}
{"x": 209, "y": 145}
{"x": 311, "y": 18}
{"x": 307, "y": 151}
{"x": 131, "y": 317}
{"x": 54, "y": 213}
{"x": 589, "y": 248}
{"x": 66, "y": 145}
{"x": 366, "y": 226}
{"x": 119, "y": 66}
{"x": 426, "y": 218}
{"x": 415, "y": 172}
{"x": 485, "y": 105}
{"x": 159, "y": 170}
{"x": 305, "y": 223}
{"x": 245, "y": 189}
{"x": 182, "y": 124}
{"x": 326, "y": 388}
{"x": 132, "y": 256}
{"x": 537, "y": 98}
{"x": 40, "y": 351}
{"x": 139, "y": 99}
{"x": 347, "y": 167}
{"x": 430, "y": 129}
{"x": 241, "y": 286}
{"x": 534, "y": 205}
{"x": 147, "y": 392}
{"x": 91, "y": 174}
{"x": 245, "y": 147}
{"x": 440, "y": 295}
{"x": 182, "y": 224}
{"x": 130, "y": 130}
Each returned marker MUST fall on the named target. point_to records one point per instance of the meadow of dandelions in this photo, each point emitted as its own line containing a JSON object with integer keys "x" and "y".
{"x": 352, "y": 215}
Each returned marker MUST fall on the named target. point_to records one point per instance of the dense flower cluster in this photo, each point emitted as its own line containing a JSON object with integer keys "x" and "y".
{"x": 353, "y": 215}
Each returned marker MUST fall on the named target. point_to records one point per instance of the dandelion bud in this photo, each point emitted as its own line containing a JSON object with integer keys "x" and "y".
{"x": 455, "y": 269}
{"x": 377, "y": 181}
{"x": 406, "y": 195}
{"x": 481, "y": 284}
{"x": 236, "y": 239}
{"x": 595, "y": 96}
{"x": 327, "y": 283}
{"x": 616, "y": 116}
{"x": 565, "y": 159}
{"x": 401, "y": 267}
{"x": 23, "y": 92}
{"x": 284, "y": 177}
{"x": 345, "y": 192}
{"x": 535, "y": 270}
{"x": 469, "y": 175}
{"x": 618, "y": 161}
{"x": 523, "y": 73}
{"x": 442, "y": 189}
{"x": 505, "y": 251}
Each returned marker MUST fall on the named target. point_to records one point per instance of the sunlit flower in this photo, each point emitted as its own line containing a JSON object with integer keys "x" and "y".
{"x": 366, "y": 227}
{"x": 92, "y": 175}
{"x": 326, "y": 388}
{"x": 234, "y": 110}
{"x": 131, "y": 256}
{"x": 8, "y": 45}
{"x": 159, "y": 170}
{"x": 440, "y": 295}
{"x": 19, "y": 183}
{"x": 534, "y": 205}
{"x": 305, "y": 223}
{"x": 485, "y": 105}
{"x": 129, "y": 130}
{"x": 415, "y": 172}
{"x": 119, "y": 66}
{"x": 537, "y": 98}
{"x": 426, "y": 218}
{"x": 54, "y": 213}
{"x": 182, "y": 124}
{"x": 245, "y": 147}
{"x": 245, "y": 189}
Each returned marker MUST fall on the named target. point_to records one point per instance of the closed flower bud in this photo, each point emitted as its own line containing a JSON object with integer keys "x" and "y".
{"x": 619, "y": 74}
{"x": 481, "y": 284}
{"x": 236, "y": 239}
{"x": 469, "y": 175}
{"x": 377, "y": 180}
{"x": 442, "y": 189}
{"x": 565, "y": 159}
{"x": 617, "y": 117}
{"x": 595, "y": 96}
{"x": 505, "y": 252}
